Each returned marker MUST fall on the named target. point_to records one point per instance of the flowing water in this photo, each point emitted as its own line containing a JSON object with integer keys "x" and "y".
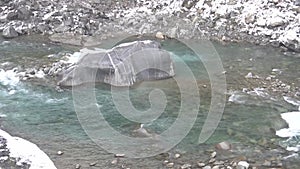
{"x": 43, "y": 115}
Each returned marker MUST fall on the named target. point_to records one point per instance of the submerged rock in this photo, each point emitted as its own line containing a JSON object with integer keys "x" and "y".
{"x": 123, "y": 65}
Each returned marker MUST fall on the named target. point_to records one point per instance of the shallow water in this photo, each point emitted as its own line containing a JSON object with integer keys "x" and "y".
{"x": 46, "y": 117}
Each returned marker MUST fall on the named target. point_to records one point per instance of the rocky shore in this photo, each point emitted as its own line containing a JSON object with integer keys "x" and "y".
{"x": 273, "y": 22}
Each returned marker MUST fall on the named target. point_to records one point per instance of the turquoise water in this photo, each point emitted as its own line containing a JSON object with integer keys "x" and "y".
{"x": 47, "y": 117}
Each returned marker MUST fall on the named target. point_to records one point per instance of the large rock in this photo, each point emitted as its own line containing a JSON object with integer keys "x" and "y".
{"x": 10, "y": 32}
{"x": 123, "y": 65}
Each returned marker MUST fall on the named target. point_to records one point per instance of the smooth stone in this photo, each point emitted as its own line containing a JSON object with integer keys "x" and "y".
{"x": 207, "y": 167}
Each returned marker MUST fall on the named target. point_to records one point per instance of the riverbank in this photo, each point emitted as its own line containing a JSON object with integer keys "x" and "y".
{"x": 263, "y": 22}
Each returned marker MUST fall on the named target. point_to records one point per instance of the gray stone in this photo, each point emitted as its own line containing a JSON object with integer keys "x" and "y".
{"x": 23, "y": 13}
{"x": 12, "y": 15}
{"x": 10, "y": 32}
{"x": 297, "y": 2}
{"x": 123, "y": 65}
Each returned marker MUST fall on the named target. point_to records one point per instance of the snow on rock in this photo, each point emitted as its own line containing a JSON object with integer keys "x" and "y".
{"x": 26, "y": 152}
{"x": 292, "y": 118}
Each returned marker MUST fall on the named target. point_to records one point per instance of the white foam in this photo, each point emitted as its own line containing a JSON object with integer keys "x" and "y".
{"x": 9, "y": 77}
{"x": 27, "y": 152}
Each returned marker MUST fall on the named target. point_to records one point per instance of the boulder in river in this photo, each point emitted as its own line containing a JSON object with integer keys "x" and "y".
{"x": 123, "y": 65}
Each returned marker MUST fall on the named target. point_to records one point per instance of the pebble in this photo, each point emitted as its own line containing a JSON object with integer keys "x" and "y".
{"x": 201, "y": 164}
{"x": 242, "y": 165}
{"x": 170, "y": 165}
{"x": 186, "y": 166}
{"x": 93, "y": 163}
{"x": 60, "y": 153}
{"x": 119, "y": 155}
{"x": 212, "y": 160}
{"x": 177, "y": 155}
{"x": 207, "y": 167}
{"x": 77, "y": 166}
{"x": 160, "y": 35}
{"x": 224, "y": 146}
{"x": 215, "y": 167}
{"x": 213, "y": 154}
{"x": 114, "y": 162}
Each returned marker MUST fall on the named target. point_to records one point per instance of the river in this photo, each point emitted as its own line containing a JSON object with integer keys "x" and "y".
{"x": 38, "y": 112}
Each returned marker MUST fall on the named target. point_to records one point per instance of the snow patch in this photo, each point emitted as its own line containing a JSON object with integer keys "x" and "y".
{"x": 27, "y": 152}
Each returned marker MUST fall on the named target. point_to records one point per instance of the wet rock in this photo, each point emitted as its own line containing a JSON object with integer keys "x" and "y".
{"x": 10, "y": 32}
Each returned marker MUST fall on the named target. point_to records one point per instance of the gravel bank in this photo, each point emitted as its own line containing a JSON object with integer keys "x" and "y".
{"x": 274, "y": 22}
